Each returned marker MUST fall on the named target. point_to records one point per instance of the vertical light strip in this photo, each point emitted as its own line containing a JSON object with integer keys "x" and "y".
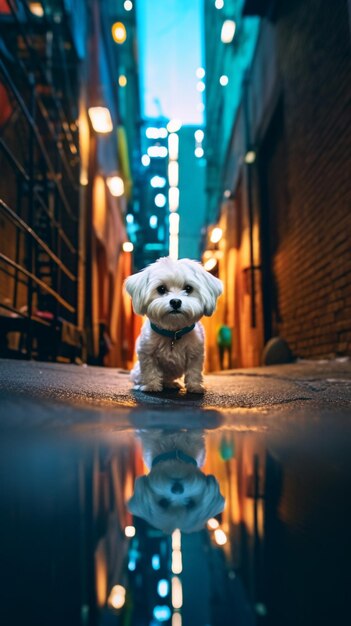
{"x": 174, "y": 235}
{"x": 177, "y": 593}
{"x": 173, "y": 194}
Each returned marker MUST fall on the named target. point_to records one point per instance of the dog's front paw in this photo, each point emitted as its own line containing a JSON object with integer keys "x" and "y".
{"x": 195, "y": 388}
{"x": 171, "y": 384}
{"x": 151, "y": 387}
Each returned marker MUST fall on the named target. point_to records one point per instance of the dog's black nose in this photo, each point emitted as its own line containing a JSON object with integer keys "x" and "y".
{"x": 177, "y": 488}
{"x": 175, "y": 304}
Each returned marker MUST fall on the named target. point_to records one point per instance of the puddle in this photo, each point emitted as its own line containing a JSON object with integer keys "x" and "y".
{"x": 234, "y": 521}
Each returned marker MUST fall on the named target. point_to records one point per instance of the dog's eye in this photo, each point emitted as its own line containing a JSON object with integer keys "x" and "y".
{"x": 188, "y": 288}
{"x": 164, "y": 503}
{"x": 161, "y": 290}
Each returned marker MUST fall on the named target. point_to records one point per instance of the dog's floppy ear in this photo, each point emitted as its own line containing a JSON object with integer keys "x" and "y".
{"x": 136, "y": 286}
{"x": 214, "y": 499}
{"x": 210, "y": 286}
{"x": 212, "y": 503}
{"x": 212, "y": 289}
{"x": 139, "y": 503}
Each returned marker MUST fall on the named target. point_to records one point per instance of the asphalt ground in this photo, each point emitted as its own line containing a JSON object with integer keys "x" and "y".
{"x": 51, "y": 395}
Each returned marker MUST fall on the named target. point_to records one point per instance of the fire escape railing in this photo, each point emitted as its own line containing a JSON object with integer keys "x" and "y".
{"x": 39, "y": 193}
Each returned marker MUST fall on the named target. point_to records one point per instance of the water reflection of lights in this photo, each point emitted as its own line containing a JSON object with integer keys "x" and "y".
{"x": 162, "y": 613}
{"x": 220, "y": 537}
{"x": 176, "y": 540}
{"x": 163, "y": 588}
{"x": 212, "y": 523}
{"x": 177, "y": 593}
{"x": 177, "y": 565}
{"x": 129, "y": 531}
{"x": 155, "y": 562}
{"x": 176, "y": 619}
{"x": 117, "y": 597}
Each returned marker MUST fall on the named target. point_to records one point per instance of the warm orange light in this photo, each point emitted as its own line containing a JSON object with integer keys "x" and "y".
{"x": 115, "y": 185}
{"x": 212, "y": 523}
{"x": 127, "y": 246}
{"x": 122, "y": 80}
{"x": 177, "y": 564}
{"x": 177, "y": 593}
{"x": 101, "y": 120}
{"x": 36, "y": 8}
{"x": 176, "y": 619}
{"x": 210, "y": 264}
{"x": 250, "y": 157}
{"x": 220, "y": 537}
{"x": 119, "y": 32}
{"x": 129, "y": 531}
{"x": 117, "y": 597}
{"x": 216, "y": 235}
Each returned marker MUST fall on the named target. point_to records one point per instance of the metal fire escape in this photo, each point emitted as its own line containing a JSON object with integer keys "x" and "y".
{"x": 39, "y": 183}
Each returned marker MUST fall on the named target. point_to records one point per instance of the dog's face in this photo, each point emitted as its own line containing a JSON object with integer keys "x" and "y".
{"x": 176, "y": 495}
{"x": 174, "y": 294}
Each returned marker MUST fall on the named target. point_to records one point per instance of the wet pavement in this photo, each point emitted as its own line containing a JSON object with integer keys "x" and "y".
{"x": 97, "y": 480}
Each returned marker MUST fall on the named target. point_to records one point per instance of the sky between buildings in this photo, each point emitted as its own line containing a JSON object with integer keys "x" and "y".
{"x": 170, "y": 50}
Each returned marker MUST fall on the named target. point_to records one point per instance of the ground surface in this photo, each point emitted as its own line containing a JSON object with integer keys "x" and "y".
{"x": 49, "y": 395}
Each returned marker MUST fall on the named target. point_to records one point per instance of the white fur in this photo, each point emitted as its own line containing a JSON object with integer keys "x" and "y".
{"x": 200, "y": 499}
{"x": 159, "y": 363}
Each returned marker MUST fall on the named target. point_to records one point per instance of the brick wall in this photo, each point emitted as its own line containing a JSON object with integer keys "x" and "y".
{"x": 312, "y": 257}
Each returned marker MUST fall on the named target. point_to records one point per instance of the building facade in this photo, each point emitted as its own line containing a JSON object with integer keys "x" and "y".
{"x": 285, "y": 192}
{"x": 69, "y": 113}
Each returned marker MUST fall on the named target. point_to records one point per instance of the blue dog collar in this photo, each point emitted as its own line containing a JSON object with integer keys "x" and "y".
{"x": 174, "y": 454}
{"x": 173, "y": 334}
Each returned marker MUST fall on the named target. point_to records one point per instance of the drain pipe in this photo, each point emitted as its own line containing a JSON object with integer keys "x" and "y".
{"x": 249, "y": 180}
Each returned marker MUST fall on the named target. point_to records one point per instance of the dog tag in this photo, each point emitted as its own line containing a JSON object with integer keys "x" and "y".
{"x": 172, "y": 344}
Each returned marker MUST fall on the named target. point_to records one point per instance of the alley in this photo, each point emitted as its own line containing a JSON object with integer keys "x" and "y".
{"x": 175, "y": 204}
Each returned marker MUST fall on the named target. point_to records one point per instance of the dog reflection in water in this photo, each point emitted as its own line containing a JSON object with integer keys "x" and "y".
{"x": 175, "y": 493}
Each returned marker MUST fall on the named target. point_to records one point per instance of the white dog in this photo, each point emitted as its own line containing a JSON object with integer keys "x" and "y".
{"x": 175, "y": 493}
{"x": 174, "y": 295}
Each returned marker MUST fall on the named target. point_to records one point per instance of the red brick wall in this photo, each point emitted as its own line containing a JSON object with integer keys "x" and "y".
{"x": 312, "y": 259}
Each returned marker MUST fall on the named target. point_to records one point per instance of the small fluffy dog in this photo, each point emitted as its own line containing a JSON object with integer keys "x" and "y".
{"x": 175, "y": 493}
{"x": 174, "y": 295}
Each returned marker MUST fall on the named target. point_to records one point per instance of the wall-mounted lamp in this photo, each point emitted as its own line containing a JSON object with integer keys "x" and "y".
{"x": 250, "y": 157}
{"x": 228, "y": 31}
{"x": 210, "y": 264}
{"x": 119, "y": 32}
{"x": 101, "y": 120}
{"x": 216, "y": 235}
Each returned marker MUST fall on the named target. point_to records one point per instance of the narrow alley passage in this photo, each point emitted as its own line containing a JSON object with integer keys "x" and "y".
{"x": 175, "y": 313}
